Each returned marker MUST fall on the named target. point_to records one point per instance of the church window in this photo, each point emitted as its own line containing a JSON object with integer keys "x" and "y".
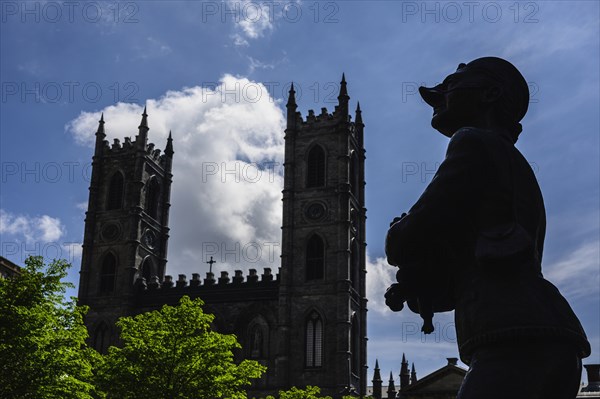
{"x": 147, "y": 269}
{"x": 114, "y": 199}
{"x": 256, "y": 343}
{"x": 315, "y": 258}
{"x": 152, "y": 197}
{"x": 315, "y": 172}
{"x": 101, "y": 337}
{"x": 107, "y": 274}
{"x": 314, "y": 340}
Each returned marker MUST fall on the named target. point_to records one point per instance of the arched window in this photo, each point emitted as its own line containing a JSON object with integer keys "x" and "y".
{"x": 315, "y": 171}
{"x": 101, "y": 338}
{"x": 114, "y": 199}
{"x": 256, "y": 338}
{"x": 355, "y": 345}
{"x": 315, "y": 258}
{"x": 147, "y": 269}
{"x": 107, "y": 274}
{"x": 314, "y": 340}
{"x": 353, "y": 178}
{"x": 152, "y": 197}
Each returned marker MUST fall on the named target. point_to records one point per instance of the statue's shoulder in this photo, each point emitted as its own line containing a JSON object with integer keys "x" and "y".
{"x": 472, "y": 134}
{"x": 470, "y": 137}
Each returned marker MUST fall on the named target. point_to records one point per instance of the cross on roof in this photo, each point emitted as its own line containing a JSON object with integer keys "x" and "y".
{"x": 210, "y": 262}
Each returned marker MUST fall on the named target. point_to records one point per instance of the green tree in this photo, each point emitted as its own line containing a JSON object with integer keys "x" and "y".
{"x": 311, "y": 392}
{"x": 172, "y": 353}
{"x": 42, "y": 336}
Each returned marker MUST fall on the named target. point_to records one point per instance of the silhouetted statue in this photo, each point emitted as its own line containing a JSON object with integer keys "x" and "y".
{"x": 473, "y": 243}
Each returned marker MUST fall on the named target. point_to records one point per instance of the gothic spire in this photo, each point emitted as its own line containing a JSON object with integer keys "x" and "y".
{"x": 169, "y": 148}
{"x": 377, "y": 382}
{"x": 358, "y": 118}
{"x": 391, "y": 386}
{"x": 343, "y": 89}
{"x": 100, "y": 130}
{"x": 376, "y": 374}
{"x": 144, "y": 122}
{"x": 143, "y": 129}
{"x": 343, "y": 96}
{"x": 342, "y": 108}
{"x": 404, "y": 373}
{"x": 291, "y": 108}
{"x": 292, "y": 97}
{"x": 413, "y": 375}
{"x": 100, "y": 135}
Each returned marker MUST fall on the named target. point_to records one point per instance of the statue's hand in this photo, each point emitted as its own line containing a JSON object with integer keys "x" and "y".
{"x": 397, "y": 219}
{"x": 394, "y": 297}
{"x": 427, "y": 327}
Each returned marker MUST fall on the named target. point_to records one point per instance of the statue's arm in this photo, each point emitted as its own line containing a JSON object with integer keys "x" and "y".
{"x": 445, "y": 209}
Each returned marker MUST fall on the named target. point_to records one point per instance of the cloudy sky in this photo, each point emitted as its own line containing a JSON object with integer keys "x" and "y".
{"x": 217, "y": 74}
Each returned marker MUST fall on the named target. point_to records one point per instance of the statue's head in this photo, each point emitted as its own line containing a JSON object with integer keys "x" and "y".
{"x": 488, "y": 91}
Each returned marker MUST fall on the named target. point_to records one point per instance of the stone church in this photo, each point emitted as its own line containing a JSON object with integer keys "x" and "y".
{"x": 305, "y": 321}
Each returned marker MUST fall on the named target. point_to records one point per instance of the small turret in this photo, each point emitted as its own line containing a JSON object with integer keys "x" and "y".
{"x": 343, "y": 99}
{"x": 391, "y": 391}
{"x": 358, "y": 119}
{"x": 377, "y": 382}
{"x": 413, "y": 375}
{"x": 167, "y": 159}
{"x": 291, "y": 108}
{"x": 100, "y": 136}
{"x": 404, "y": 373}
{"x": 142, "y": 137}
{"x": 169, "y": 148}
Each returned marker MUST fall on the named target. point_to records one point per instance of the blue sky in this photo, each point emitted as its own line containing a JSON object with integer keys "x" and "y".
{"x": 217, "y": 73}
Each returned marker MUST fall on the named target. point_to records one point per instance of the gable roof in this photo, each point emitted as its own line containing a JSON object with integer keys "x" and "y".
{"x": 447, "y": 379}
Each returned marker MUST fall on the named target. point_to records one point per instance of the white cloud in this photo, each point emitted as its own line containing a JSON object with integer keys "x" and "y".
{"x": 72, "y": 252}
{"x": 257, "y": 64}
{"x": 50, "y": 228}
{"x": 152, "y": 48}
{"x": 578, "y": 273}
{"x": 253, "y": 18}
{"x": 158, "y": 46}
{"x": 380, "y": 275}
{"x": 239, "y": 41}
{"x": 41, "y": 229}
{"x": 227, "y": 170}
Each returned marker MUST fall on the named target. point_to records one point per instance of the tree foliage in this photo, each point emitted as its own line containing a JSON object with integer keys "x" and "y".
{"x": 310, "y": 392}
{"x": 169, "y": 353}
{"x": 172, "y": 353}
{"x": 42, "y": 336}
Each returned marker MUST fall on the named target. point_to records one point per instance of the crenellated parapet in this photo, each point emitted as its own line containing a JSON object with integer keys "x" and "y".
{"x": 226, "y": 288}
{"x": 224, "y": 280}
{"x": 136, "y": 147}
{"x": 325, "y": 120}
{"x": 130, "y": 148}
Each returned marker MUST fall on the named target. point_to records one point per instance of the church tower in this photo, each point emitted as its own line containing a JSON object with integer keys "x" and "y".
{"x": 126, "y": 227}
{"x": 322, "y": 312}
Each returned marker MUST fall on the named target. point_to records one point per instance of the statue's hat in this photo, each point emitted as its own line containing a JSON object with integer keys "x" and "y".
{"x": 515, "y": 90}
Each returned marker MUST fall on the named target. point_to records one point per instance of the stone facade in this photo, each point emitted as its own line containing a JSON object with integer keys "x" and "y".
{"x": 306, "y": 323}
{"x": 7, "y": 268}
